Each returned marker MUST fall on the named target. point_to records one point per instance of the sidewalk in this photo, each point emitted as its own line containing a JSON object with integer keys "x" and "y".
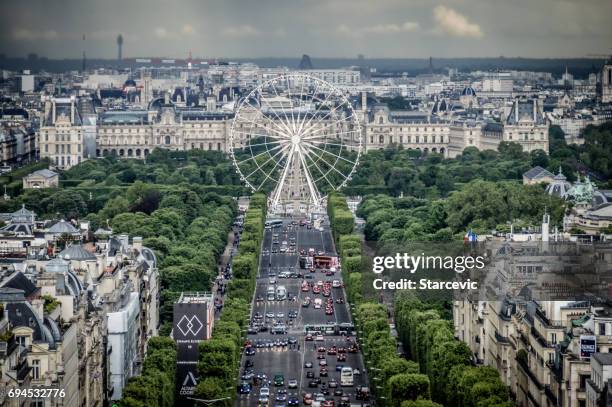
{"x": 220, "y": 284}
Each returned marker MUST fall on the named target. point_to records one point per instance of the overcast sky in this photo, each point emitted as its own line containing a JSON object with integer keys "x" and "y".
{"x": 321, "y": 28}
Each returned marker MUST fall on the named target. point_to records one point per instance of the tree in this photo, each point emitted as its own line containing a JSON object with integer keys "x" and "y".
{"x": 407, "y": 386}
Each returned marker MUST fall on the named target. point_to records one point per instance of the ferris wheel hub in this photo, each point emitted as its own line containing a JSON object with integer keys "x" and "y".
{"x": 295, "y": 139}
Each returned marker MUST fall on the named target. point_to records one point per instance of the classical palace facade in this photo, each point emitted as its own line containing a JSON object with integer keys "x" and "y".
{"x": 66, "y": 137}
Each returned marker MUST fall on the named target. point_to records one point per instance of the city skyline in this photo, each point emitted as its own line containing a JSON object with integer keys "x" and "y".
{"x": 385, "y": 29}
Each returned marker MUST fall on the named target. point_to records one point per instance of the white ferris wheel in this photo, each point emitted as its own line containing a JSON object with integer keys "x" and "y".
{"x": 296, "y": 137}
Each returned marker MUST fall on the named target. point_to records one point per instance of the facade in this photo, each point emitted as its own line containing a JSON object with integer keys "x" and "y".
{"x": 527, "y": 126}
{"x": 77, "y": 320}
{"x": 41, "y": 179}
{"x": 17, "y": 141}
{"x": 536, "y": 345}
{"x": 61, "y": 134}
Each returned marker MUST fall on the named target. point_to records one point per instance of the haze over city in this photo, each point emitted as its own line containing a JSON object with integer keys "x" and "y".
{"x": 343, "y": 28}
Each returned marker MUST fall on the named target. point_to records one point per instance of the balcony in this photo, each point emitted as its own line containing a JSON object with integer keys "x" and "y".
{"x": 523, "y": 364}
{"x": 501, "y": 339}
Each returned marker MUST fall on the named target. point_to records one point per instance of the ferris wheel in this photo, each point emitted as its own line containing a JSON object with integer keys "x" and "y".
{"x": 296, "y": 137}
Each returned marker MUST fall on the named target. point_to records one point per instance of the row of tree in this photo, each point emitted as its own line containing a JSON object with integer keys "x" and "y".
{"x": 219, "y": 361}
{"x": 155, "y": 386}
{"x": 428, "y": 339}
{"x": 397, "y": 381}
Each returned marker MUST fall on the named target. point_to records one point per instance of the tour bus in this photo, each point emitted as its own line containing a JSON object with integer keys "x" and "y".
{"x": 275, "y": 223}
{"x": 346, "y": 376}
{"x": 281, "y": 293}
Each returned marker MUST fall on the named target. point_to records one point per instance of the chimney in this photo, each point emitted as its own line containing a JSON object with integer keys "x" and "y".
{"x": 47, "y": 108}
{"x": 125, "y": 240}
{"x": 364, "y": 101}
{"x": 53, "y": 114}
{"x": 535, "y": 110}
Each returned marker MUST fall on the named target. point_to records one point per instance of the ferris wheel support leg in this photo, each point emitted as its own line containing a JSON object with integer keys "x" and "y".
{"x": 311, "y": 186}
{"x": 281, "y": 182}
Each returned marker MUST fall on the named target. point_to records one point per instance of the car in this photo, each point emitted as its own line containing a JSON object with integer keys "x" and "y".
{"x": 319, "y": 397}
{"x": 328, "y": 403}
{"x": 264, "y": 391}
{"x": 321, "y": 356}
{"x": 332, "y": 384}
{"x": 247, "y": 375}
{"x": 313, "y": 384}
{"x": 263, "y": 401}
{"x": 319, "y": 338}
{"x": 341, "y": 349}
{"x": 272, "y": 281}
{"x": 307, "y": 399}
{"x": 310, "y": 375}
{"x": 279, "y": 380}
{"x": 339, "y": 368}
{"x": 336, "y": 284}
{"x": 329, "y": 311}
{"x": 292, "y": 314}
{"x": 291, "y": 340}
{"x": 250, "y": 351}
{"x": 258, "y": 315}
{"x": 338, "y": 392}
{"x": 332, "y": 350}
{"x": 292, "y": 384}
{"x": 244, "y": 388}
{"x": 270, "y": 314}
{"x": 340, "y": 300}
{"x": 322, "y": 362}
{"x": 252, "y": 330}
{"x": 306, "y": 303}
{"x": 308, "y": 337}
{"x": 341, "y": 357}
{"x": 280, "y": 397}
{"x": 308, "y": 365}
{"x": 323, "y": 372}
{"x": 280, "y": 315}
{"x": 293, "y": 401}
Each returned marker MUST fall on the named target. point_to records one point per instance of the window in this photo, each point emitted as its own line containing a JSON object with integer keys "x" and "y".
{"x": 37, "y": 403}
{"x": 381, "y": 139}
{"x": 21, "y": 341}
{"x": 553, "y": 338}
{"x": 380, "y": 120}
{"x": 602, "y": 328}
{"x": 36, "y": 369}
{"x": 167, "y": 140}
{"x": 219, "y": 146}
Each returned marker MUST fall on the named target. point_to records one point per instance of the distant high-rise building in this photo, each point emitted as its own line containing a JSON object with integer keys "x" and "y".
{"x": 119, "y": 46}
{"x": 305, "y": 63}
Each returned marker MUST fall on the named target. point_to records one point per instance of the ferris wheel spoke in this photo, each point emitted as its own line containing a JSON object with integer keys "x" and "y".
{"x": 307, "y": 126}
{"x": 311, "y": 186}
{"x": 270, "y": 173}
{"x": 263, "y": 144}
{"x": 332, "y": 166}
{"x": 324, "y": 174}
{"x": 281, "y": 182}
{"x": 267, "y": 161}
{"x": 289, "y": 130}
{"x": 281, "y": 133}
{"x": 328, "y": 136}
{"x": 254, "y": 157}
{"x": 343, "y": 103}
{"x": 332, "y": 154}
{"x": 314, "y": 130}
{"x": 301, "y": 127}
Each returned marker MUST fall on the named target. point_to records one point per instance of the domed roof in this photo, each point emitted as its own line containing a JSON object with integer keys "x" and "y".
{"x": 559, "y": 186}
{"x": 130, "y": 82}
{"x": 62, "y": 227}
{"x": 57, "y": 265}
{"x": 468, "y": 91}
{"x": 76, "y": 252}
